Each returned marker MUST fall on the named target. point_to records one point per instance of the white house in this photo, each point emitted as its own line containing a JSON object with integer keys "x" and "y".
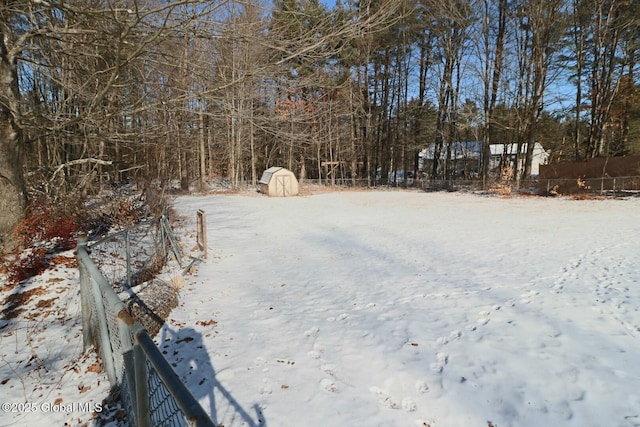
{"x": 470, "y": 152}
{"x": 507, "y": 152}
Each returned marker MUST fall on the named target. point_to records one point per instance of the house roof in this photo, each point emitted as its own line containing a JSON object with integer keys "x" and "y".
{"x": 459, "y": 150}
{"x": 473, "y": 150}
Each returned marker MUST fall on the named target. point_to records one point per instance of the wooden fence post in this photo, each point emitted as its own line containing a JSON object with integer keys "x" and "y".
{"x": 201, "y": 234}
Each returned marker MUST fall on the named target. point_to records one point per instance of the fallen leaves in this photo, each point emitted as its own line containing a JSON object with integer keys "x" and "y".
{"x": 206, "y": 322}
{"x": 95, "y": 367}
{"x": 65, "y": 261}
{"x": 14, "y": 302}
{"x": 45, "y": 303}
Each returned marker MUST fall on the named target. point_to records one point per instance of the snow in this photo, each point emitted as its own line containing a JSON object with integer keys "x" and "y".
{"x": 46, "y": 378}
{"x": 406, "y": 308}
{"x": 374, "y": 309}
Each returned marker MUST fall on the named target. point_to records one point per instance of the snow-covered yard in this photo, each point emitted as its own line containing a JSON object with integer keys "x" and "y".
{"x": 370, "y": 309}
{"x": 412, "y": 309}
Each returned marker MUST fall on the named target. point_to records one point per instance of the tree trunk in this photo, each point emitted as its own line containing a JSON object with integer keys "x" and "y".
{"x": 492, "y": 81}
{"x": 12, "y": 188}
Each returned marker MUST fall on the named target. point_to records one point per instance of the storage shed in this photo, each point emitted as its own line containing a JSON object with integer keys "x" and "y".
{"x": 278, "y": 182}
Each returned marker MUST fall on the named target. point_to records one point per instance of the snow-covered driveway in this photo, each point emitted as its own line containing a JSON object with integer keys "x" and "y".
{"x": 412, "y": 309}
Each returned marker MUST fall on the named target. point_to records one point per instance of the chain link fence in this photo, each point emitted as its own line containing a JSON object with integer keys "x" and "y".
{"x": 151, "y": 392}
{"x": 135, "y": 255}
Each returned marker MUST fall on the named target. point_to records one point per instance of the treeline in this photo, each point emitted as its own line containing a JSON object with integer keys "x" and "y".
{"x": 100, "y": 91}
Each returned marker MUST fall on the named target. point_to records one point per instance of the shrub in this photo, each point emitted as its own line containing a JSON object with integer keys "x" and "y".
{"x": 52, "y": 226}
{"x": 31, "y": 263}
{"x": 43, "y": 225}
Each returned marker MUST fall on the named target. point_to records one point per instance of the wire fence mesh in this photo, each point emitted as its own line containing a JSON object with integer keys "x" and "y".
{"x": 150, "y": 391}
{"x": 166, "y": 411}
{"x": 136, "y": 254}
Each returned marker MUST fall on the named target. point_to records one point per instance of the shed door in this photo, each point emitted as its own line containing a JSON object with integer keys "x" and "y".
{"x": 283, "y": 185}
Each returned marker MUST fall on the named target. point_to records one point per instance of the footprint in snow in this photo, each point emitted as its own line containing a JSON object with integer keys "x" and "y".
{"x": 313, "y": 354}
{"x": 317, "y": 351}
{"x": 422, "y": 387}
{"x": 526, "y": 297}
{"x": 312, "y": 331}
{"x": 443, "y": 360}
{"x": 480, "y": 322}
{"x": 328, "y": 385}
{"x": 383, "y": 397}
{"x": 409, "y": 405}
{"x": 453, "y": 336}
{"x": 329, "y": 370}
{"x": 265, "y": 388}
{"x": 484, "y": 317}
{"x": 562, "y": 410}
{"x": 342, "y": 316}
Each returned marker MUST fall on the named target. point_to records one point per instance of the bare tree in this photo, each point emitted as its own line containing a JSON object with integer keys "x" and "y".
{"x": 453, "y": 23}
{"x": 493, "y": 50}
{"x": 538, "y": 33}
{"x": 12, "y": 190}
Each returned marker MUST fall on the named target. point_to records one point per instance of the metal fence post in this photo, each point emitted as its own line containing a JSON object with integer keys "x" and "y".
{"x": 131, "y": 406}
{"x": 143, "y": 413}
{"x": 128, "y": 381}
{"x": 85, "y": 292}
{"x": 162, "y": 237}
{"x": 171, "y": 240}
{"x": 127, "y": 245}
{"x": 101, "y": 317}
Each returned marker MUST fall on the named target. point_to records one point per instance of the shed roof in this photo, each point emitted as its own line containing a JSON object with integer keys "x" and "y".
{"x": 266, "y": 175}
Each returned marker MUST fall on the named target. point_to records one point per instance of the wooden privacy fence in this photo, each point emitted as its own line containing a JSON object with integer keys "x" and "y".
{"x": 599, "y": 175}
{"x": 620, "y": 185}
